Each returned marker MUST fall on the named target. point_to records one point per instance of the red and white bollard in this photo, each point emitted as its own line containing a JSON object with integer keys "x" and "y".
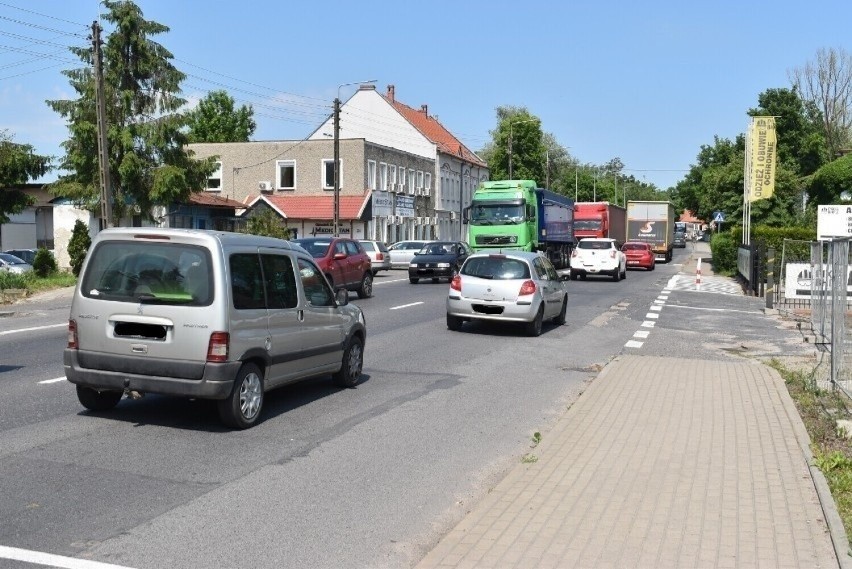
{"x": 698, "y": 274}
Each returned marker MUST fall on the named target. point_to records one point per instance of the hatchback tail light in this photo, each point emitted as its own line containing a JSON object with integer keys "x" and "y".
{"x": 217, "y": 348}
{"x": 574, "y": 253}
{"x": 455, "y": 284}
{"x": 612, "y": 254}
{"x": 72, "y": 335}
{"x": 527, "y": 288}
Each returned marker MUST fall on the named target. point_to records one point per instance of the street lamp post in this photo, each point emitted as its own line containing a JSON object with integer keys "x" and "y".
{"x": 510, "y": 141}
{"x": 336, "y": 223}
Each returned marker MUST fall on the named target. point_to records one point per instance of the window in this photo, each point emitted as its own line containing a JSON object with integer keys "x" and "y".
{"x": 428, "y": 182}
{"x": 393, "y": 174}
{"x": 286, "y": 174}
{"x": 371, "y": 174}
{"x": 402, "y": 179}
{"x": 280, "y": 281}
{"x": 411, "y": 175}
{"x": 328, "y": 174}
{"x": 214, "y": 182}
{"x": 317, "y": 291}
{"x": 247, "y": 282}
{"x": 383, "y": 176}
{"x": 419, "y": 179}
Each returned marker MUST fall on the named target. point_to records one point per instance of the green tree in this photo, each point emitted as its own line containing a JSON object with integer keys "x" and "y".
{"x": 44, "y": 263}
{"x": 269, "y": 223}
{"x": 832, "y": 179}
{"x": 78, "y": 246}
{"x": 528, "y": 146}
{"x": 18, "y": 164}
{"x": 215, "y": 119}
{"x": 146, "y": 134}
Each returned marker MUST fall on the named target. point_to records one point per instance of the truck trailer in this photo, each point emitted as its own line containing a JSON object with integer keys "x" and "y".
{"x": 517, "y": 215}
{"x": 600, "y": 219}
{"x": 652, "y": 222}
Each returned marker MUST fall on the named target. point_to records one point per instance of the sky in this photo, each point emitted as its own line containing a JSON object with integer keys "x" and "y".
{"x": 647, "y": 82}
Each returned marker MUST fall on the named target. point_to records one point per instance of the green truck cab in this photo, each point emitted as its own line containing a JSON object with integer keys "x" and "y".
{"x": 517, "y": 215}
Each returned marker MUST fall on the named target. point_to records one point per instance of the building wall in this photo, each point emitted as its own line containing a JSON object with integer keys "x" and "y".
{"x": 64, "y": 218}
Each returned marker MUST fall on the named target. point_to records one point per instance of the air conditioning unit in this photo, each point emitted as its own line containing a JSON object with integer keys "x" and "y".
{"x": 418, "y": 192}
{"x": 426, "y": 191}
{"x": 264, "y": 186}
{"x": 400, "y": 188}
{"x": 452, "y": 216}
{"x": 411, "y": 191}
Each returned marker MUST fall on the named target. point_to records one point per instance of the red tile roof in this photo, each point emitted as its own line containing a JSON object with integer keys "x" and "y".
{"x": 207, "y": 199}
{"x": 432, "y": 129}
{"x": 688, "y": 217}
{"x": 316, "y": 207}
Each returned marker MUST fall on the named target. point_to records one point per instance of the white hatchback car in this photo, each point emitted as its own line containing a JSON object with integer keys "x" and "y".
{"x": 515, "y": 286}
{"x": 598, "y": 256}
{"x": 402, "y": 252}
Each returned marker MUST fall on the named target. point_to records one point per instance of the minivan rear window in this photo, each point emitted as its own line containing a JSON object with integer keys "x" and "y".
{"x": 151, "y": 273}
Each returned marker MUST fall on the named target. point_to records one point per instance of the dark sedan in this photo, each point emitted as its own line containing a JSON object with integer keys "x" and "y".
{"x": 438, "y": 260}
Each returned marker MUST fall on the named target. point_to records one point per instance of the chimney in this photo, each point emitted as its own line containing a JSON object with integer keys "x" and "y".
{"x": 391, "y": 93}
{"x": 424, "y": 109}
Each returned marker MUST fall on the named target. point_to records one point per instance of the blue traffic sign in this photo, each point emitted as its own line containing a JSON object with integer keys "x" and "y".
{"x": 719, "y": 217}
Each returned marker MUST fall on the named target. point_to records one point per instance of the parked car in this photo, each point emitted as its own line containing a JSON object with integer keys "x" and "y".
{"x": 639, "y": 255}
{"x": 438, "y": 260}
{"x": 515, "y": 286}
{"x": 378, "y": 253}
{"x": 402, "y": 252}
{"x": 12, "y": 264}
{"x": 208, "y": 315}
{"x": 343, "y": 261}
{"x": 28, "y": 255}
{"x": 598, "y": 256}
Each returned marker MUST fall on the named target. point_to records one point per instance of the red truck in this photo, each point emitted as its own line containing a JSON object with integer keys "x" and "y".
{"x": 600, "y": 219}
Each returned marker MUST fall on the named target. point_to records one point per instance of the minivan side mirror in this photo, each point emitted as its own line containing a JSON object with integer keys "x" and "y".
{"x": 342, "y": 297}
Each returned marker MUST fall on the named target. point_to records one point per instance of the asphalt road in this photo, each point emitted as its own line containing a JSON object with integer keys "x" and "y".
{"x": 363, "y": 477}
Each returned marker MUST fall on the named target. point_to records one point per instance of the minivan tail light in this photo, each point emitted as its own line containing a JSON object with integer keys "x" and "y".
{"x": 455, "y": 284}
{"x": 217, "y": 349}
{"x": 527, "y": 288}
{"x": 72, "y": 335}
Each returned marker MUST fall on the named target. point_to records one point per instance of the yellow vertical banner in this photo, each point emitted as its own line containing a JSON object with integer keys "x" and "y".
{"x": 762, "y": 158}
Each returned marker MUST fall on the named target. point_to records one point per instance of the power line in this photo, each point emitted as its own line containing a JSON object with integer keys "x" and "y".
{"x": 42, "y": 15}
{"x": 52, "y": 30}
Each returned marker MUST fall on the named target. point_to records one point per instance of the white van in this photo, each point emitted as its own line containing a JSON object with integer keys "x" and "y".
{"x": 205, "y": 314}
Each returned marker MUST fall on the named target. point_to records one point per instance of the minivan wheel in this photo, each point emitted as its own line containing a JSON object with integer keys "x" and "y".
{"x": 366, "y": 288}
{"x": 534, "y": 327}
{"x": 353, "y": 361}
{"x": 95, "y": 400}
{"x": 241, "y": 408}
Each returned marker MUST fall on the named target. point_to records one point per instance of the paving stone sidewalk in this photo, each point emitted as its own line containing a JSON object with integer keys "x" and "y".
{"x": 649, "y": 470}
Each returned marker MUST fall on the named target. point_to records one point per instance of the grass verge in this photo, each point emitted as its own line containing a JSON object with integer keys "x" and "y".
{"x": 820, "y": 410}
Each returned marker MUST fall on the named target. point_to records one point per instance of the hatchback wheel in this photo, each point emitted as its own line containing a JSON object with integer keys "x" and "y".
{"x": 454, "y": 323}
{"x": 95, "y": 400}
{"x": 412, "y": 280}
{"x": 353, "y": 361}
{"x": 534, "y": 327}
{"x": 241, "y": 408}
{"x": 366, "y": 288}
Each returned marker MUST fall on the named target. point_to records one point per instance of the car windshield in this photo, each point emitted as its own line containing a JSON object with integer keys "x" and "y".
{"x": 167, "y": 273}
{"x": 316, "y": 247}
{"x": 11, "y": 259}
{"x": 496, "y": 267}
{"x": 586, "y": 244}
{"x": 496, "y": 214}
{"x": 437, "y": 249}
{"x": 587, "y": 224}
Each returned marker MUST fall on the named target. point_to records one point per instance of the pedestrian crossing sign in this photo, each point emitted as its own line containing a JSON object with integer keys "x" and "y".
{"x": 719, "y": 217}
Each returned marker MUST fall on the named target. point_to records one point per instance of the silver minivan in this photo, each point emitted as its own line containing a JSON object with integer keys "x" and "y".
{"x": 204, "y": 314}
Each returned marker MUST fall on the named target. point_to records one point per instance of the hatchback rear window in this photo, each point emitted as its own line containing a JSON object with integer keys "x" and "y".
{"x": 368, "y": 246}
{"x": 151, "y": 273}
{"x": 496, "y": 268}
{"x": 634, "y": 247}
{"x": 586, "y": 244}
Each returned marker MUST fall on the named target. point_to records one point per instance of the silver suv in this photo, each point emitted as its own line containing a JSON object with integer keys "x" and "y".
{"x": 205, "y": 314}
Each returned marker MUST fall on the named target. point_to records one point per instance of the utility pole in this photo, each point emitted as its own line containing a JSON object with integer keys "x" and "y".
{"x": 336, "y": 167}
{"x": 103, "y": 151}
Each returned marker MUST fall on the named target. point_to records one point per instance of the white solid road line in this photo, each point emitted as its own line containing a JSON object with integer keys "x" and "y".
{"x": 51, "y": 560}
{"x": 64, "y": 324}
{"x": 55, "y": 380}
{"x": 404, "y": 305}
